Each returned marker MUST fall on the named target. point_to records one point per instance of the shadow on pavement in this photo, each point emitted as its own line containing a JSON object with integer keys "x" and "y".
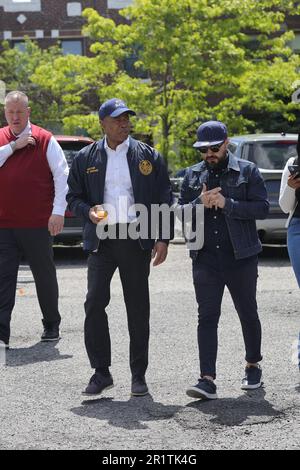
{"x": 249, "y": 408}
{"x": 129, "y": 414}
{"x": 39, "y": 352}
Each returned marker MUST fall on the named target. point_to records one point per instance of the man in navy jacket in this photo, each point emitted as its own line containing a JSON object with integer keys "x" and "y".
{"x": 117, "y": 175}
{"x": 234, "y": 196}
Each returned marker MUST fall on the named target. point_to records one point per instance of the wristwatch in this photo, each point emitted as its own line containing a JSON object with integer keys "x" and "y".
{"x": 13, "y": 144}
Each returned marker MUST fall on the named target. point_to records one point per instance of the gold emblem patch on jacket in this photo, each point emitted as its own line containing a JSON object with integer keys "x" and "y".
{"x": 145, "y": 167}
{"x": 92, "y": 169}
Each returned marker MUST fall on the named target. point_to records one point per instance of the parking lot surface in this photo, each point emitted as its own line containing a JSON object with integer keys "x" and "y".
{"x": 40, "y": 385}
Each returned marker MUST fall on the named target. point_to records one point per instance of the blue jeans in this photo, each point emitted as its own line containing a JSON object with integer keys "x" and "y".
{"x": 293, "y": 242}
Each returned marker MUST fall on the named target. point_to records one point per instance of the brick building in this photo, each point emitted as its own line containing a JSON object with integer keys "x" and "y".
{"x": 48, "y": 21}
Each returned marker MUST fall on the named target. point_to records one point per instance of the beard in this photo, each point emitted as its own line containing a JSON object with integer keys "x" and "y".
{"x": 215, "y": 161}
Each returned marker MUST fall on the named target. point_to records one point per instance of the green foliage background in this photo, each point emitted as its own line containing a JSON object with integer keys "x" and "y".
{"x": 202, "y": 59}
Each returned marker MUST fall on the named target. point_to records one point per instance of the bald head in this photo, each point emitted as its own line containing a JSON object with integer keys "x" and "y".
{"x": 17, "y": 111}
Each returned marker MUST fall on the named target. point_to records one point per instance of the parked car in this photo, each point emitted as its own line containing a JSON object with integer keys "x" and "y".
{"x": 72, "y": 232}
{"x": 270, "y": 152}
{"x": 176, "y": 183}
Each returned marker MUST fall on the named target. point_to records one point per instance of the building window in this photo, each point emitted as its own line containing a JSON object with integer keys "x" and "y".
{"x": 20, "y": 45}
{"x": 39, "y": 33}
{"x": 130, "y": 68}
{"x": 72, "y": 46}
{"x": 253, "y": 43}
{"x": 74, "y": 9}
{"x": 7, "y": 35}
{"x": 12, "y": 6}
{"x": 295, "y": 43}
{"x": 118, "y": 4}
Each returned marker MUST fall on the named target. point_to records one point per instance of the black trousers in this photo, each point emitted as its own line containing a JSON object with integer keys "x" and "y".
{"x": 209, "y": 286}
{"x": 36, "y": 245}
{"x": 134, "y": 267}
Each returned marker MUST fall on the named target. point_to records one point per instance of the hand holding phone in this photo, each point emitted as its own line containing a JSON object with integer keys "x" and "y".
{"x": 294, "y": 170}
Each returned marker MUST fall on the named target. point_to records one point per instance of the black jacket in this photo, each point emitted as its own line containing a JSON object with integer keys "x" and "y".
{"x": 150, "y": 183}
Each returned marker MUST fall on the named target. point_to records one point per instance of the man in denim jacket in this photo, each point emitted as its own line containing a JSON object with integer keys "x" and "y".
{"x": 234, "y": 196}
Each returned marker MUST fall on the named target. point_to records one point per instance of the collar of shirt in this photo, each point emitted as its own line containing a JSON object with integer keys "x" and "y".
{"x": 123, "y": 146}
{"x": 27, "y": 130}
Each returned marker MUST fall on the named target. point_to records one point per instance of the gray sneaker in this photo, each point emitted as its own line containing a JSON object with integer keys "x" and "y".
{"x": 205, "y": 389}
{"x": 139, "y": 387}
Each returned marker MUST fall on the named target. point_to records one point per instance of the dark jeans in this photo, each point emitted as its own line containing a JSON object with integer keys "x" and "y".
{"x": 134, "y": 267}
{"x": 209, "y": 286}
{"x": 36, "y": 245}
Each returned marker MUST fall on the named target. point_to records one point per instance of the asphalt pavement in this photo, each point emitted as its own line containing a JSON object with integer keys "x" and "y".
{"x": 40, "y": 384}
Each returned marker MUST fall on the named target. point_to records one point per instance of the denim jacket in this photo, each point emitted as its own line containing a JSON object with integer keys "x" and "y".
{"x": 245, "y": 201}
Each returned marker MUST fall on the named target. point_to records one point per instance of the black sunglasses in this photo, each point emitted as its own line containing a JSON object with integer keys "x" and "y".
{"x": 213, "y": 148}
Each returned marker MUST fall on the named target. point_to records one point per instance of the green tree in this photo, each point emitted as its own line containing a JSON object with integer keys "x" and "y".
{"x": 16, "y": 71}
{"x": 222, "y": 59}
{"x": 202, "y": 63}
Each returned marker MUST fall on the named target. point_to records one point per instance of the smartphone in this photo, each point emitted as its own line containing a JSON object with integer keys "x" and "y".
{"x": 294, "y": 170}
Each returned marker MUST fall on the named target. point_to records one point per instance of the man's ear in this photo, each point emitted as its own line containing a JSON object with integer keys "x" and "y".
{"x": 226, "y": 143}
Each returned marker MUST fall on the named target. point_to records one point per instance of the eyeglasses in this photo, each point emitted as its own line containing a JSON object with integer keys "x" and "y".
{"x": 213, "y": 148}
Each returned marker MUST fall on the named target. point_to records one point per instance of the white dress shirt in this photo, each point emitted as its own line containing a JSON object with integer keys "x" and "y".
{"x": 58, "y": 165}
{"x": 118, "y": 192}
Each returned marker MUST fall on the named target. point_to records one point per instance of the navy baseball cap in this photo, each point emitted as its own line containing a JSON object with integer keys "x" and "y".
{"x": 210, "y": 133}
{"x": 113, "y": 108}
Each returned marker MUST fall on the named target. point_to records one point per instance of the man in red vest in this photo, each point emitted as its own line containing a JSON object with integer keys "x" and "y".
{"x": 33, "y": 182}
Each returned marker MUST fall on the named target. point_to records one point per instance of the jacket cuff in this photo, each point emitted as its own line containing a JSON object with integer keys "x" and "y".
{"x": 197, "y": 201}
{"x": 86, "y": 212}
{"x": 228, "y": 206}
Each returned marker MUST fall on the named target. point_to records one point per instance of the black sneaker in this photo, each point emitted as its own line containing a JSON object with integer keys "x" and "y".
{"x": 252, "y": 379}
{"x": 98, "y": 383}
{"x": 139, "y": 387}
{"x": 205, "y": 389}
{"x": 51, "y": 333}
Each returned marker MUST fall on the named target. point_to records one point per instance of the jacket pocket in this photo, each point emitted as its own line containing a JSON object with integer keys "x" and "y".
{"x": 237, "y": 188}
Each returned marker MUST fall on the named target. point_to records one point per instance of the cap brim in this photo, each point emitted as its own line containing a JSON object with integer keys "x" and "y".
{"x": 207, "y": 144}
{"x": 119, "y": 111}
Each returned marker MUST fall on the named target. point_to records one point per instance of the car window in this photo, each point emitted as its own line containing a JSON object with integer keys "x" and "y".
{"x": 176, "y": 184}
{"x": 271, "y": 155}
{"x": 71, "y": 149}
{"x": 232, "y": 147}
